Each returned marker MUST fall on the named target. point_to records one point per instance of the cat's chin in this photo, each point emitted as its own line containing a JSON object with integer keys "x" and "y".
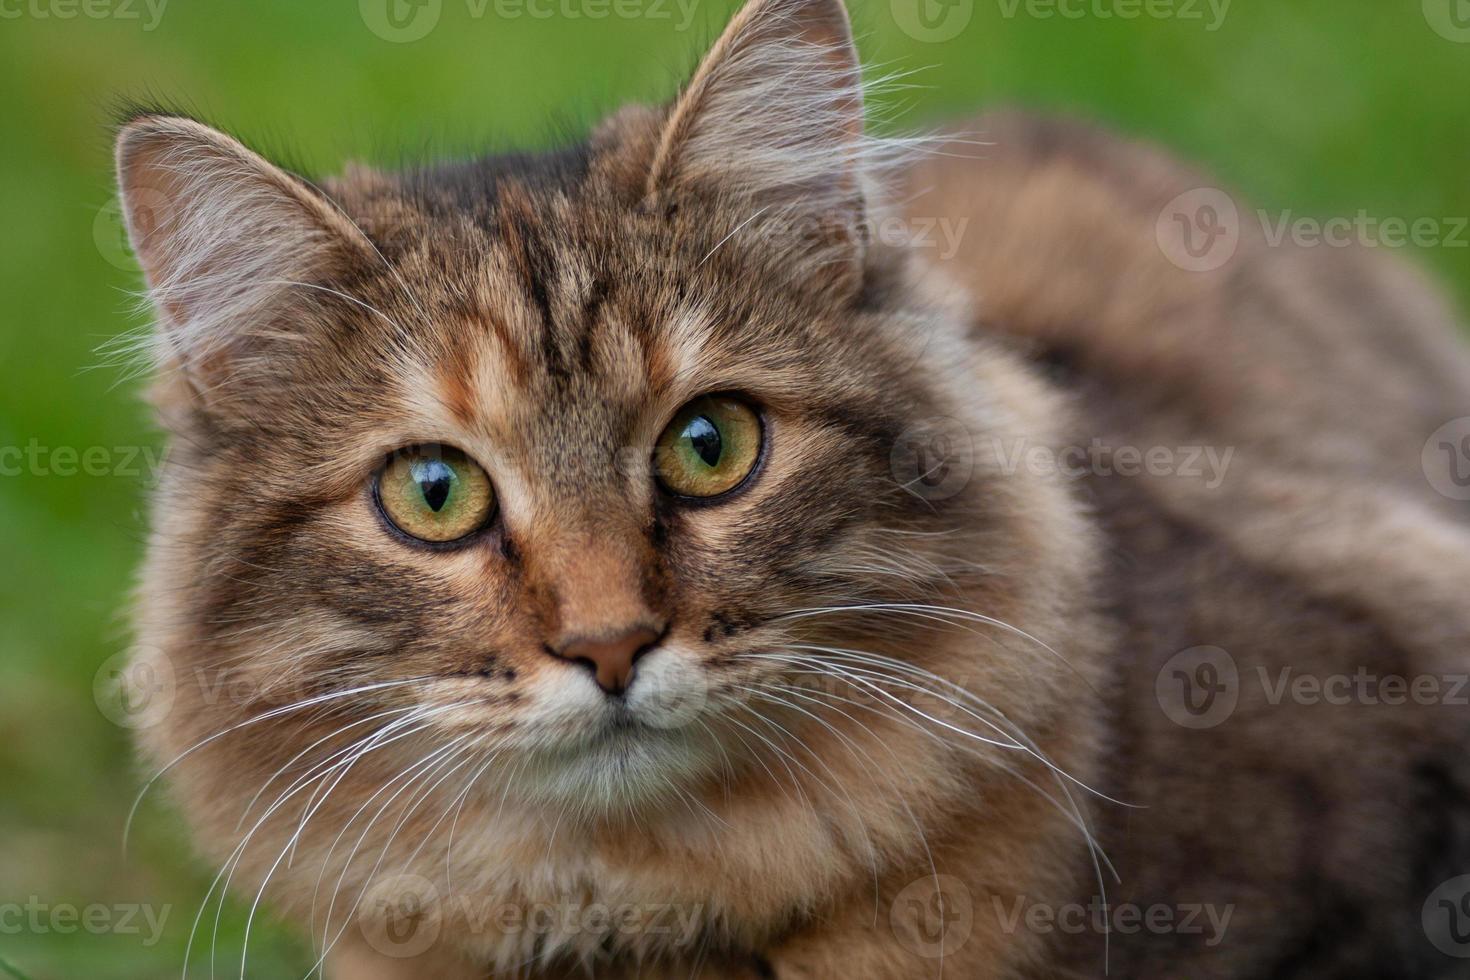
{"x": 620, "y": 767}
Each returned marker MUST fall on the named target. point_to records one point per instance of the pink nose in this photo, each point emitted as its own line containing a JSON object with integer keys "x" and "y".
{"x": 611, "y": 657}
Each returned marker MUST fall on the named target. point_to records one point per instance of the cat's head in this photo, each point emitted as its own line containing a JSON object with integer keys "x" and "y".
{"x": 578, "y": 459}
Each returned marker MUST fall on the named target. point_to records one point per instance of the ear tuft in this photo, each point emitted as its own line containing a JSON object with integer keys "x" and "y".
{"x": 776, "y": 104}
{"x": 773, "y": 118}
{"x": 222, "y": 234}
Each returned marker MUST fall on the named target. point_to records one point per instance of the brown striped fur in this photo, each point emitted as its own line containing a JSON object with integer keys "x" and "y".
{"x": 547, "y": 315}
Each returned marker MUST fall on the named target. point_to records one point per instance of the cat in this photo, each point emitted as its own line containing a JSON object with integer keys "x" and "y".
{"x": 626, "y": 559}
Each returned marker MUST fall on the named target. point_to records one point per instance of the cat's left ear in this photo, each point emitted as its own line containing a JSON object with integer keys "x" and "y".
{"x": 774, "y": 116}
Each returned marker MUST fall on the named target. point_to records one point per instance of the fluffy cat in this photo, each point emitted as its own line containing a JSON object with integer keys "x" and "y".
{"x": 618, "y": 559}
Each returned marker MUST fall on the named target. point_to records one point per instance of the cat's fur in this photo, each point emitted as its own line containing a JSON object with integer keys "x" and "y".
{"x": 548, "y": 314}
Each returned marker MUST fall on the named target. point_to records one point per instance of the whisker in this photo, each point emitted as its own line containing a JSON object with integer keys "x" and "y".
{"x": 411, "y": 807}
{"x": 940, "y": 614}
{"x": 274, "y": 713}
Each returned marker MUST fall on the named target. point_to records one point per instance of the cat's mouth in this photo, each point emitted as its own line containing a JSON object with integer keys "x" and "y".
{"x": 622, "y": 728}
{"x": 618, "y": 727}
{"x": 573, "y": 744}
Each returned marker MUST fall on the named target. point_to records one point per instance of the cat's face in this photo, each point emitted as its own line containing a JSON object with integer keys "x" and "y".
{"x": 575, "y": 461}
{"x": 547, "y": 387}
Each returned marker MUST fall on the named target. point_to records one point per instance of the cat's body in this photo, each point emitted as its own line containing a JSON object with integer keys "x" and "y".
{"x": 1324, "y": 819}
{"x": 805, "y": 773}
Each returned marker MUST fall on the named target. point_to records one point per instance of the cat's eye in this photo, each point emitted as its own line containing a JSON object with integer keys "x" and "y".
{"x": 709, "y": 448}
{"x": 435, "y": 493}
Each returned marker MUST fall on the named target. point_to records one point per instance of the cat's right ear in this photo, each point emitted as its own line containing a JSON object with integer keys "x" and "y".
{"x": 225, "y": 238}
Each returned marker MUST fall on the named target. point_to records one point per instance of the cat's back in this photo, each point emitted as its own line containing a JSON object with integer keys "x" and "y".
{"x": 1283, "y": 399}
{"x": 1285, "y": 552}
{"x": 1180, "y": 302}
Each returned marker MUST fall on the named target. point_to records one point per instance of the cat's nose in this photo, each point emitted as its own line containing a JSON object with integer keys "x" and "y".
{"x": 611, "y": 656}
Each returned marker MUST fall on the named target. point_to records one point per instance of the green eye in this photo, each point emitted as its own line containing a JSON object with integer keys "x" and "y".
{"x": 435, "y": 493}
{"x": 709, "y": 448}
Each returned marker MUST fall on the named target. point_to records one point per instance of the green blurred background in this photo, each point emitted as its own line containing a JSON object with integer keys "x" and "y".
{"x": 1322, "y": 107}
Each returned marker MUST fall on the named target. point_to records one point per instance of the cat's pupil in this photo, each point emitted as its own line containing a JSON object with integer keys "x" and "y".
{"x": 705, "y": 440}
{"x": 435, "y": 480}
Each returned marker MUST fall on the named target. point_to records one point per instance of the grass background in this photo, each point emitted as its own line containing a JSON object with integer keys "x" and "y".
{"x": 1324, "y": 107}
